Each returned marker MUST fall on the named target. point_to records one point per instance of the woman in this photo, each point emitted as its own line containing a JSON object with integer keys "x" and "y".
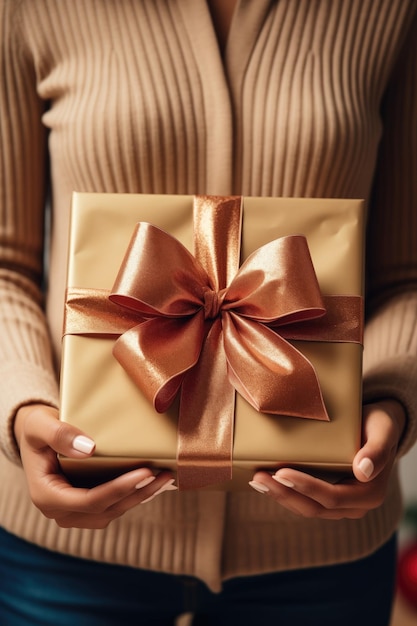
{"x": 281, "y": 98}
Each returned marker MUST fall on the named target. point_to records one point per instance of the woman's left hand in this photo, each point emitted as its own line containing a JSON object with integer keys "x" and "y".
{"x": 305, "y": 495}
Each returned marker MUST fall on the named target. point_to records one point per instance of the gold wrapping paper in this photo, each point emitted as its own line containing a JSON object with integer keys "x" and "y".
{"x": 99, "y": 397}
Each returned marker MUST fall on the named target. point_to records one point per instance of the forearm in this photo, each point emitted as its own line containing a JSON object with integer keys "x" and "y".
{"x": 26, "y": 366}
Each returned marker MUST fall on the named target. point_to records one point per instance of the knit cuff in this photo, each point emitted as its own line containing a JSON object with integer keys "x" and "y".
{"x": 20, "y": 385}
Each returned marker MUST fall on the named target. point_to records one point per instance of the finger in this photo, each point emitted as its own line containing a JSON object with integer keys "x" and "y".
{"x": 314, "y": 497}
{"x": 106, "y": 502}
{"x": 54, "y": 496}
{"x": 380, "y": 441}
{"x": 121, "y": 493}
{"x": 140, "y": 486}
{"x": 303, "y": 505}
{"x": 162, "y": 483}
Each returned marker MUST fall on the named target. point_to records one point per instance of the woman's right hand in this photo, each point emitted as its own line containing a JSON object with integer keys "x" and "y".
{"x": 40, "y": 437}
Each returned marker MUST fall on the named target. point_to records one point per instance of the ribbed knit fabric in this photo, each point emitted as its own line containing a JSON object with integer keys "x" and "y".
{"x": 311, "y": 98}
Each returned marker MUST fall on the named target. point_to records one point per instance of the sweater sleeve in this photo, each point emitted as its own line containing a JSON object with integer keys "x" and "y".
{"x": 390, "y": 355}
{"x": 26, "y": 364}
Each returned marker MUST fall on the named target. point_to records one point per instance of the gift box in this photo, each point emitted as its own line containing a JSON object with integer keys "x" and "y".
{"x": 213, "y": 336}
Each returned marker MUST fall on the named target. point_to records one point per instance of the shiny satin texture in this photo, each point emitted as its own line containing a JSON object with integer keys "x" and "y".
{"x": 208, "y": 330}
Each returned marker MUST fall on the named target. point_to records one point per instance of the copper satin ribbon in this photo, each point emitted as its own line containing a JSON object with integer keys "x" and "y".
{"x": 204, "y": 327}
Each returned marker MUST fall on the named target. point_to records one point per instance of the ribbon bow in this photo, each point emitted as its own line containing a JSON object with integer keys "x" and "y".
{"x": 212, "y": 328}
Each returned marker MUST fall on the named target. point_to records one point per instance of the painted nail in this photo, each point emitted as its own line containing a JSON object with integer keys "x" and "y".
{"x": 367, "y": 467}
{"x": 83, "y": 444}
{"x": 283, "y": 481}
{"x": 168, "y": 486}
{"x": 259, "y": 486}
{"x": 146, "y": 481}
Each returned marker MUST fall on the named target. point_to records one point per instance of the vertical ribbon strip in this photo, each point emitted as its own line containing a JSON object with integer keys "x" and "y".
{"x": 205, "y": 427}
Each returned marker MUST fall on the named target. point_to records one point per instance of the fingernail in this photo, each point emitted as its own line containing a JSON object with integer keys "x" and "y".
{"x": 168, "y": 486}
{"x": 283, "y": 481}
{"x": 83, "y": 444}
{"x": 367, "y": 467}
{"x": 146, "y": 481}
{"x": 259, "y": 486}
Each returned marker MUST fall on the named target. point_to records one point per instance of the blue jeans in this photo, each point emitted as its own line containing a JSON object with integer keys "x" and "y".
{"x": 38, "y": 587}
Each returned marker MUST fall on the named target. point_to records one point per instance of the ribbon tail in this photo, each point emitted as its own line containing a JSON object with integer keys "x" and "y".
{"x": 206, "y": 417}
{"x": 272, "y": 375}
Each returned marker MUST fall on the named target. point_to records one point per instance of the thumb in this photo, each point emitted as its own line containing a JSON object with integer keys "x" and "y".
{"x": 41, "y": 428}
{"x": 380, "y": 435}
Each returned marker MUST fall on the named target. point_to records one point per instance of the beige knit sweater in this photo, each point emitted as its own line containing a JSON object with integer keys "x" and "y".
{"x": 312, "y": 98}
